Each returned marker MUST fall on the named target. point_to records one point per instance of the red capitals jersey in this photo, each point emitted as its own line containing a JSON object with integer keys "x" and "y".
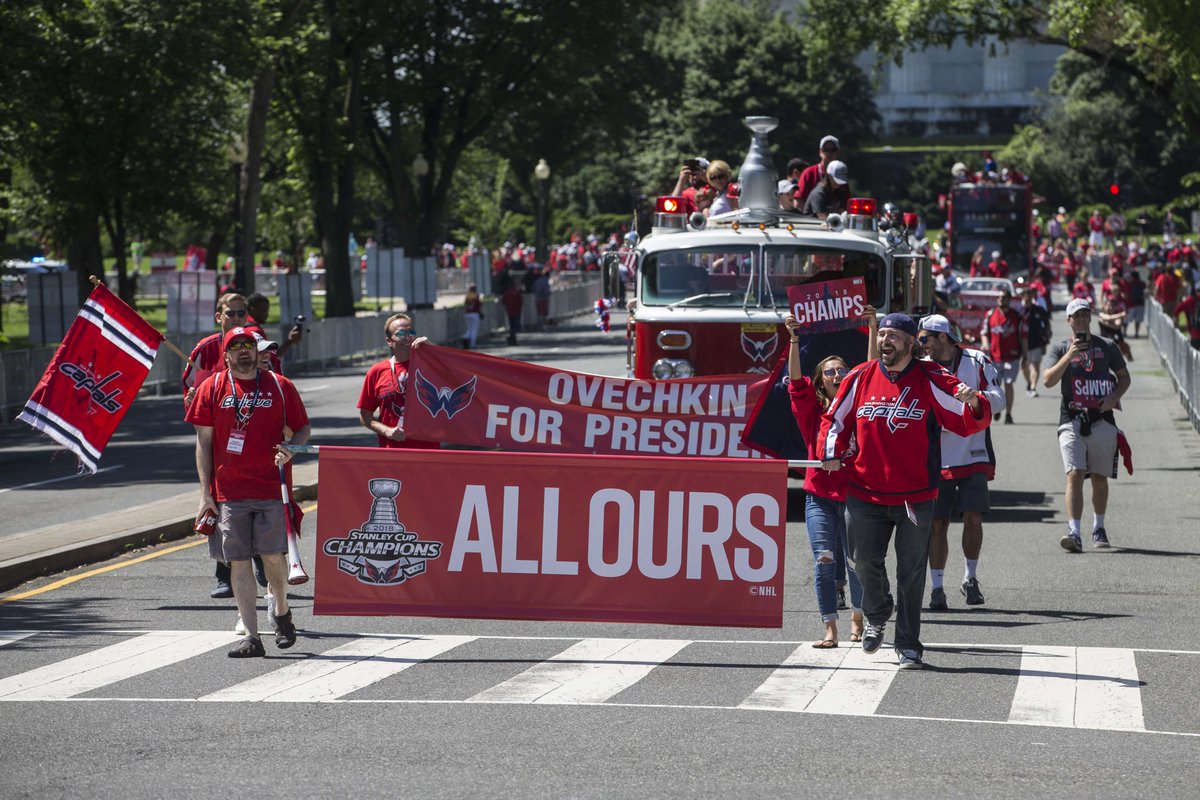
{"x": 264, "y": 403}
{"x": 896, "y": 419}
{"x": 385, "y": 388}
{"x": 1004, "y": 334}
{"x": 206, "y": 355}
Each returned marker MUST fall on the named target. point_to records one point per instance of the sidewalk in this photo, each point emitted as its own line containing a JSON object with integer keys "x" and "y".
{"x": 57, "y": 548}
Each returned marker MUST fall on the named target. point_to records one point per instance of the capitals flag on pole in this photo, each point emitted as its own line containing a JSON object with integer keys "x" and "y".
{"x": 94, "y": 376}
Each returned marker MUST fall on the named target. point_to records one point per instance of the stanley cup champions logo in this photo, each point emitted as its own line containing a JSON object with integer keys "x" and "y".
{"x": 382, "y": 552}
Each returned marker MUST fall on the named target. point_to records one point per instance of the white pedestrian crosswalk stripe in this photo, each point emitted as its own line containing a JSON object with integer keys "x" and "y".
{"x": 1094, "y": 688}
{"x": 590, "y": 671}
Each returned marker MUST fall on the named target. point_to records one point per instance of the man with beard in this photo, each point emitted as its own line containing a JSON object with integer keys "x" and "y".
{"x": 386, "y": 386}
{"x": 242, "y": 415}
{"x": 887, "y": 421}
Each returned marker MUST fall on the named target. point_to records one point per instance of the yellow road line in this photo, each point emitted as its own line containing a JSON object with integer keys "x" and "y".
{"x": 101, "y": 570}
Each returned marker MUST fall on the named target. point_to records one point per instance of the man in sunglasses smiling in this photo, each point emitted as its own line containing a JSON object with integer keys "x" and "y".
{"x": 968, "y": 463}
{"x": 386, "y": 386}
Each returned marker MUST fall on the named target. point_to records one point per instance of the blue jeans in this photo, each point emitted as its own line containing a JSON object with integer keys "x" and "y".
{"x": 826, "y": 523}
{"x": 870, "y": 529}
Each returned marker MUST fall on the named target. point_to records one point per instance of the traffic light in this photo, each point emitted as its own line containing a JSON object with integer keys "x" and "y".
{"x": 1114, "y": 190}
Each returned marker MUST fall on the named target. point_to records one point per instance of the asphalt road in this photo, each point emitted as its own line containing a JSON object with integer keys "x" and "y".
{"x": 1076, "y": 679}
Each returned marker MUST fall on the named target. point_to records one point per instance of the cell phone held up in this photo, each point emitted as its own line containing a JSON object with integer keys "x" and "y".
{"x": 1081, "y": 336}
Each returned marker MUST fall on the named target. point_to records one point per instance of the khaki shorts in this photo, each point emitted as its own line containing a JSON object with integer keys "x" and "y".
{"x": 1095, "y": 454}
{"x": 1034, "y": 356}
{"x": 246, "y": 528}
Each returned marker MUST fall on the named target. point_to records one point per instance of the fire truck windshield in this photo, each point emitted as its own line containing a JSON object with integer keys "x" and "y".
{"x": 993, "y": 218}
{"x": 732, "y": 277}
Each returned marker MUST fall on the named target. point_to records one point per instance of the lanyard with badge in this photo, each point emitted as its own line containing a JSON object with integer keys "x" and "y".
{"x": 401, "y": 388}
{"x": 237, "y": 436}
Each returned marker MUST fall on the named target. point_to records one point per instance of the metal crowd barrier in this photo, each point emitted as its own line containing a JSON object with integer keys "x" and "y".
{"x": 1178, "y": 356}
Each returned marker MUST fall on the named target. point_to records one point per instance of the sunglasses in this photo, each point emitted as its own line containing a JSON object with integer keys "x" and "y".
{"x": 833, "y": 371}
{"x": 242, "y": 344}
{"x": 229, "y": 312}
{"x": 403, "y": 333}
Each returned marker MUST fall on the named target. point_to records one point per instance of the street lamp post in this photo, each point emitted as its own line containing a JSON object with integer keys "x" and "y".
{"x": 420, "y": 168}
{"x": 542, "y": 173}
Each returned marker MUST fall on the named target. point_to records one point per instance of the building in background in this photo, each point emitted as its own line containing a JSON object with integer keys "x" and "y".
{"x": 979, "y": 90}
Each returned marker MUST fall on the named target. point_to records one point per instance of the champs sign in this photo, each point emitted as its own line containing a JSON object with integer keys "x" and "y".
{"x": 531, "y": 536}
{"x": 476, "y": 399}
{"x": 828, "y": 305}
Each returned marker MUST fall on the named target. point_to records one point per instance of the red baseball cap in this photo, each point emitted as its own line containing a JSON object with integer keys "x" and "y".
{"x": 236, "y": 333}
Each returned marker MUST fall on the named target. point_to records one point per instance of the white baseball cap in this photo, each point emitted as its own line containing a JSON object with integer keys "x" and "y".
{"x": 839, "y": 172}
{"x": 830, "y": 140}
{"x": 936, "y": 323}
{"x": 1078, "y": 304}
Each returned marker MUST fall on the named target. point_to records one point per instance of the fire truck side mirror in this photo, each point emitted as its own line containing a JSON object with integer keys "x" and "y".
{"x": 610, "y": 268}
{"x": 922, "y": 288}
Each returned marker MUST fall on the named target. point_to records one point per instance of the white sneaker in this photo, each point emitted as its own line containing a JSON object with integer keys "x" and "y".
{"x": 240, "y": 628}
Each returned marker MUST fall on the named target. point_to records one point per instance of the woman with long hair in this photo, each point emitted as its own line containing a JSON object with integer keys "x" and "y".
{"x": 825, "y": 501}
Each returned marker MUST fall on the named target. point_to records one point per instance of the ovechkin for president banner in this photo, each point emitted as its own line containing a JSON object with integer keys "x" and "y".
{"x": 476, "y": 399}
{"x": 94, "y": 376}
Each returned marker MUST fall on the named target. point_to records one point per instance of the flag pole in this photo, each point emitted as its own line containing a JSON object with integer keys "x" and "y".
{"x": 170, "y": 345}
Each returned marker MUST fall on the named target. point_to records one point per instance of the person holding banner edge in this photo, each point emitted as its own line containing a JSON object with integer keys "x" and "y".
{"x": 386, "y": 386}
{"x": 825, "y": 492}
{"x": 888, "y": 415}
{"x": 242, "y": 415}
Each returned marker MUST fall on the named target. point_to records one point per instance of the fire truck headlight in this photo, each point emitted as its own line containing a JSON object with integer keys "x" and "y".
{"x": 672, "y": 368}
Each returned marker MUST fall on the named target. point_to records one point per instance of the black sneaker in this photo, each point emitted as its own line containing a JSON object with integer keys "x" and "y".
{"x": 250, "y": 647}
{"x": 221, "y": 591}
{"x": 1100, "y": 538}
{"x": 872, "y": 637}
{"x": 996, "y": 417}
{"x": 910, "y": 659}
{"x": 1008, "y": 420}
{"x": 1071, "y": 543}
{"x": 259, "y": 574}
{"x": 841, "y": 597}
{"x": 937, "y": 600}
{"x": 971, "y": 591}
{"x": 285, "y": 631}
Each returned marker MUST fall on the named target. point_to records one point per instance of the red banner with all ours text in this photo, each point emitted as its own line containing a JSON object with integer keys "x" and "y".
{"x": 550, "y": 537}
{"x": 475, "y": 399}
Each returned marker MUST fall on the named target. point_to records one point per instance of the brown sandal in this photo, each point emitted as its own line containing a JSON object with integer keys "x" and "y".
{"x": 825, "y": 644}
{"x": 856, "y": 629}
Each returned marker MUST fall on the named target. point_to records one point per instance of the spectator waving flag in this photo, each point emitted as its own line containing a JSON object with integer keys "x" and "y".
{"x": 94, "y": 376}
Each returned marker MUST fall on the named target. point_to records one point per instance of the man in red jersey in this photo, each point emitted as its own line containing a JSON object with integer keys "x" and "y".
{"x": 386, "y": 386}
{"x": 893, "y": 410}
{"x": 207, "y": 354}
{"x": 242, "y": 415}
{"x": 1002, "y": 338}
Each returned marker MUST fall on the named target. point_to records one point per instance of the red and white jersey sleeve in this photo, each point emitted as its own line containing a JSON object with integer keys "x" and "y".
{"x": 965, "y": 455}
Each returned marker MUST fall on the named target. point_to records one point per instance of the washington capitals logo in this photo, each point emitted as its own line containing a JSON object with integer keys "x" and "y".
{"x": 894, "y": 411}
{"x": 760, "y": 350}
{"x": 95, "y": 387}
{"x": 444, "y": 398}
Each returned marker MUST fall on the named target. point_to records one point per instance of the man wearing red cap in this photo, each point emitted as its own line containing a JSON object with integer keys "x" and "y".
{"x": 242, "y": 415}
{"x": 886, "y": 421}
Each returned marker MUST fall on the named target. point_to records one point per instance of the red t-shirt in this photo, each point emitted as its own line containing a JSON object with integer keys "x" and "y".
{"x": 1189, "y": 307}
{"x": 1004, "y": 334}
{"x": 998, "y": 268}
{"x": 206, "y": 355}
{"x": 385, "y": 388}
{"x": 250, "y": 474}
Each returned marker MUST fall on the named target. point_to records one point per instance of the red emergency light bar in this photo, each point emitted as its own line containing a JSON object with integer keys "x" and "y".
{"x": 861, "y": 205}
{"x": 669, "y": 205}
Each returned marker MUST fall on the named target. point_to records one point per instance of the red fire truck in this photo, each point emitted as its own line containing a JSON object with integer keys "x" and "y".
{"x": 712, "y": 293}
{"x": 995, "y": 217}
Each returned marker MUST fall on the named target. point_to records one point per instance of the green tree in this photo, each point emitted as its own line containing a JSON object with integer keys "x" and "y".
{"x": 115, "y": 123}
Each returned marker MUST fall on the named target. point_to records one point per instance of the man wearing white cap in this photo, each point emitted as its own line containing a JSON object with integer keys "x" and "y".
{"x": 813, "y": 175}
{"x": 968, "y": 463}
{"x": 827, "y": 198}
{"x": 1094, "y": 378}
